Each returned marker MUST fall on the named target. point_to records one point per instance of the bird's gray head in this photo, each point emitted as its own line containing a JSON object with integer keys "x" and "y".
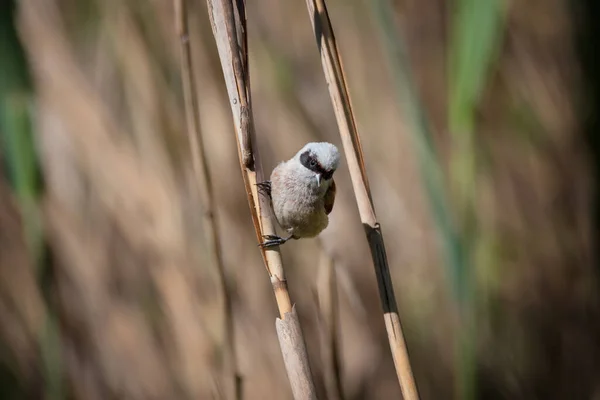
{"x": 321, "y": 158}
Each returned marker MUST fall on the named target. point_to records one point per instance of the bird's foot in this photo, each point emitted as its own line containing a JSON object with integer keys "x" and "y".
{"x": 272, "y": 241}
{"x": 264, "y": 188}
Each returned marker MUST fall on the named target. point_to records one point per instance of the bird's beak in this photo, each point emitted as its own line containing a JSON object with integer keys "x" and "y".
{"x": 318, "y": 179}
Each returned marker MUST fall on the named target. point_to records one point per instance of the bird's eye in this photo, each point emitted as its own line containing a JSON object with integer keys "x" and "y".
{"x": 313, "y": 163}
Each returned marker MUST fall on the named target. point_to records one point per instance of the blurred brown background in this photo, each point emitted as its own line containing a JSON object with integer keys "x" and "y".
{"x": 106, "y": 291}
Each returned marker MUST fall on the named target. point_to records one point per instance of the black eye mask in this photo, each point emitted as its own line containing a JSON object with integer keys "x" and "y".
{"x": 309, "y": 161}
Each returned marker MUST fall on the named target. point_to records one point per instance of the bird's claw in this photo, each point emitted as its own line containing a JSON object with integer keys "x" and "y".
{"x": 264, "y": 188}
{"x": 272, "y": 241}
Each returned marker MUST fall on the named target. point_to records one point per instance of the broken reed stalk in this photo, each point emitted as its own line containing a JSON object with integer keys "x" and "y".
{"x": 204, "y": 186}
{"x": 228, "y": 22}
{"x": 340, "y": 98}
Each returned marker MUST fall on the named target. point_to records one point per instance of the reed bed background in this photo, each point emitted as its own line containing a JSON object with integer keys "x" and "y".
{"x": 473, "y": 123}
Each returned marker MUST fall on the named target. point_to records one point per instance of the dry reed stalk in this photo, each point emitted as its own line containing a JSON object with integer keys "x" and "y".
{"x": 205, "y": 189}
{"x": 228, "y": 22}
{"x": 327, "y": 299}
{"x": 340, "y": 98}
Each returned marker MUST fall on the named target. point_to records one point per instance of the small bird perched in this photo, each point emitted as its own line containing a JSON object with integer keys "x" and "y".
{"x": 302, "y": 192}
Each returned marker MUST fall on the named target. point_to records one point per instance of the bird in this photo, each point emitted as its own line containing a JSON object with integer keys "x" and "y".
{"x": 302, "y": 192}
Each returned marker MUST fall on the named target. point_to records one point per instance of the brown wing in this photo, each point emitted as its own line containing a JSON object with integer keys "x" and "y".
{"x": 330, "y": 197}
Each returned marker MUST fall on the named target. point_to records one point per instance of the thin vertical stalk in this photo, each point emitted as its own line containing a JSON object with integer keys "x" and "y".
{"x": 430, "y": 171}
{"x": 327, "y": 299}
{"x": 228, "y": 22}
{"x": 334, "y": 74}
{"x": 205, "y": 188}
{"x": 453, "y": 240}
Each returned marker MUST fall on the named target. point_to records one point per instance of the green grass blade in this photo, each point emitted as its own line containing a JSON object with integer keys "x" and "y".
{"x": 476, "y": 29}
{"x": 470, "y": 62}
{"x": 476, "y": 33}
{"x": 20, "y": 158}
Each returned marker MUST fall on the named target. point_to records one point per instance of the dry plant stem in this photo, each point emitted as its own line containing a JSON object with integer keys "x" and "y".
{"x": 295, "y": 356}
{"x": 327, "y": 297}
{"x": 234, "y": 65}
{"x": 334, "y": 74}
{"x": 205, "y": 188}
{"x": 228, "y": 22}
